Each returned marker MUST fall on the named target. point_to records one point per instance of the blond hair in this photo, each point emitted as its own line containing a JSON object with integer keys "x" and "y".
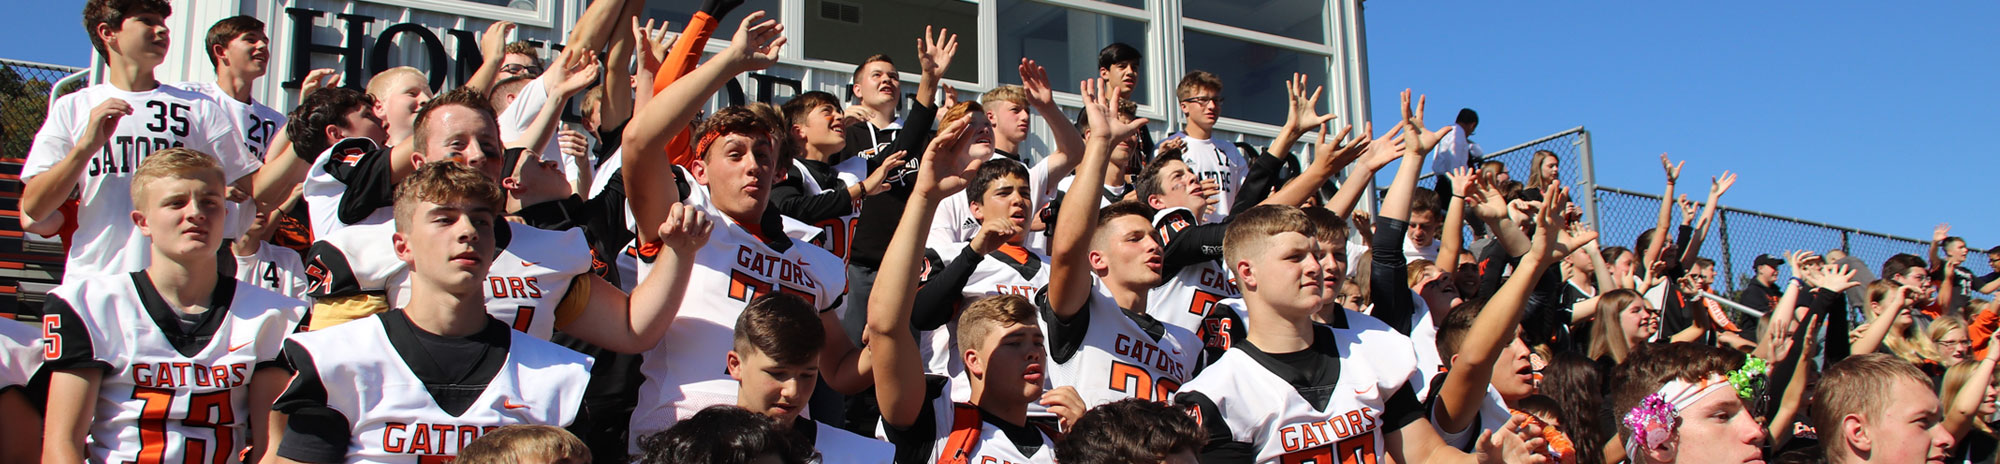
{"x": 1861, "y": 384}
{"x": 378, "y": 86}
{"x": 445, "y": 182}
{"x": 1197, "y": 81}
{"x": 1007, "y": 93}
{"x": 985, "y": 315}
{"x": 516, "y": 444}
{"x": 177, "y": 162}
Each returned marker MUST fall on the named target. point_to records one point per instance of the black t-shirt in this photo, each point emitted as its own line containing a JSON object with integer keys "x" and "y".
{"x": 1978, "y": 447}
{"x": 879, "y": 213}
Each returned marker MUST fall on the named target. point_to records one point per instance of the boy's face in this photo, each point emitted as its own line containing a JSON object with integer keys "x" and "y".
{"x": 1202, "y": 107}
{"x": 1006, "y": 199}
{"x": 1178, "y": 186}
{"x": 448, "y": 244}
{"x": 1333, "y": 267}
{"x": 1908, "y": 430}
{"x": 738, "y": 171}
{"x": 143, "y": 38}
{"x": 406, "y": 95}
{"x": 877, "y": 84}
{"x": 249, "y": 52}
{"x": 362, "y": 122}
{"x": 535, "y": 177}
{"x": 1010, "y": 120}
{"x": 1956, "y": 251}
{"x": 1717, "y": 428}
{"x": 515, "y": 64}
{"x": 821, "y": 130}
{"x": 1011, "y": 359}
{"x": 1423, "y": 227}
{"x": 1124, "y": 73}
{"x": 776, "y": 390}
{"x": 1121, "y": 155}
{"x": 464, "y": 135}
{"x": 1513, "y": 376}
{"x": 1285, "y": 272}
{"x": 182, "y": 216}
{"x": 1126, "y": 252}
{"x": 980, "y": 133}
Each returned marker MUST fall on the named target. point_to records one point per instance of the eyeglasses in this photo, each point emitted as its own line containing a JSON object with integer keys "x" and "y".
{"x": 521, "y": 69}
{"x": 1202, "y": 100}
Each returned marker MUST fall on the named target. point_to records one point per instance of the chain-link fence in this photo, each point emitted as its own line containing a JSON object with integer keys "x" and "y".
{"x": 24, "y": 101}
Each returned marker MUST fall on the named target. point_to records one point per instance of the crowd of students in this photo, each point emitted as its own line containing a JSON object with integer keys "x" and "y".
{"x": 466, "y": 279}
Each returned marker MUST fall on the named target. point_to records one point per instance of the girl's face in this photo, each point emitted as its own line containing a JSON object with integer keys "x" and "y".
{"x": 1550, "y": 170}
{"x": 1622, "y": 265}
{"x": 1955, "y": 346}
{"x": 1639, "y": 321}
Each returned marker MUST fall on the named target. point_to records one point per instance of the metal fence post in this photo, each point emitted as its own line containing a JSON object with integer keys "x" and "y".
{"x": 1589, "y": 176}
{"x": 1728, "y": 268}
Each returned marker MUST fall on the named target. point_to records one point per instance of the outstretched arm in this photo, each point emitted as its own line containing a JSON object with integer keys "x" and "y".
{"x": 492, "y": 50}
{"x": 1453, "y": 232}
{"x": 933, "y": 59}
{"x": 1068, "y": 142}
{"x": 572, "y": 72}
{"x": 755, "y": 46}
{"x": 1069, "y": 248}
{"x": 635, "y": 324}
{"x": 1652, "y": 251}
{"x": 1964, "y": 410}
{"x": 892, "y": 347}
{"x": 1692, "y": 250}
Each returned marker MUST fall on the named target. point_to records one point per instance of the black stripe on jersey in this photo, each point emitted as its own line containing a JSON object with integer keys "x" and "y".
{"x": 70, "y": 340}
{"x": 773, "y": 227}
{"x": 1027, "y": 269}
{"x": 363, "y": 167}
{"x": 315, "y": 432}
{"x": 1066, "y": 337}
{"x": 1222, "y": 445}
{"x": 806, "y": 432}
{"x": 454, "y": 383}
{"x": 168, "y": 317}
{"x": 915, "y": 443}
{"x": 1315, "y": 374}
{"x": 328, "y": 273}
{"x": 502, "y": 235}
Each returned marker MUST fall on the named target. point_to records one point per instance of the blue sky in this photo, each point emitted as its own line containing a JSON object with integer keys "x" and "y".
{"x": 1865, "y": 114}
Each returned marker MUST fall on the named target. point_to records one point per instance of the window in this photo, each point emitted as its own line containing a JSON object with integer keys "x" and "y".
{"x": 1298, "y": 19}
{"x": 532, "y": 13}
{"x": 1062, "y": 40}
{"x": 678, "y": 12}
{"x": 850, "y": 31}
{"x": 1253, "y": 75}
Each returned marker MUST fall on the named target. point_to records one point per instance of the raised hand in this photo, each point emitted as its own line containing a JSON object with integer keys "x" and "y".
{"x": 573, "y": 144}
{"x": 1335, "y": 154}
{"x": 1835, "y": 278}
{"x": 317, "y": 79}
{"x": 493, "y": 44}
{"x": 1461, "y": 179}
{"x": 575, "y": 70}
{"x": 1424, "y": 139}
{"x": 755, "y": 45}
{"x": 1943, "y": 231}
{"x": 856, "y": 114}
{"x": 1517, "y": 442}
{"x": 653, "y": 44}
{"x": 685, "y": 230}
{"x": 1486, "y": 201}
{"x": 934, "y": 53}
{"x": 948, "y": 165}
{"x": 1688, "y": 209}
{"x": 992, "y": 234}
{"x": 1720, "y": 185}
{"x": 1036, "y": 80}
{"x": 1304, "y": 112}
{"x": 1385, "y": 149}
{"x": 1066, "y": 404}
{"x": 1673, "y": 169}
{"x": 1101, "y": 102}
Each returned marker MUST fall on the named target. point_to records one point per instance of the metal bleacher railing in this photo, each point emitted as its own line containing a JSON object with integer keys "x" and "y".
{"x": 1737, "y": 237}
{"x": 28, "y": 266}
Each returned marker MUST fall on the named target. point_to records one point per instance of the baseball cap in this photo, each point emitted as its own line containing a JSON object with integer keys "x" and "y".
{"x": 1767, "y": 260}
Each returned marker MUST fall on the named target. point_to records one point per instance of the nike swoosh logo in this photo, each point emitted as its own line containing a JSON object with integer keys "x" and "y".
{"x": 511, "y": 405}
{"x": 1365, "y": 390}
{"x": 529, "y": 263}
{"x": 238, "y": 347}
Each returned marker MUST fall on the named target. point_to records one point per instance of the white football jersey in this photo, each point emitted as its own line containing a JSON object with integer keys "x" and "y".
{"x": 1186, "y": 297}
{"x": 686, "y": 371}
{"x": 169, "y": 393}
{"x": 20, "y": 353}
{"x": 274, "y": 268}
{"x": 258, "y": 124}
{"x": 531, "y": 275}
{"x": 837, "y": 446}
{"x": 393, "y": 415}
{"x": 996, "y": 274}
{"x": 353, "y": 260}
{"x": 927, "y": 442}
{"x": 1220, "y": 161}
{"x": 837, "y": 233}
{"x": 106, "y": 241}
{"x": 1261, "y": 408}
{"x": 1121, "y": 354}
{"x": 323, "y": 190}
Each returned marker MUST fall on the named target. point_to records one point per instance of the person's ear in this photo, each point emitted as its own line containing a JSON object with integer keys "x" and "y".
{"x": 1246, "y": 279}
{"x": 1853, "y": 430}
{"x": 977, "y": 215}
{"x": 402, "y": 246}
{"x": 139, "y": 219}
{"x": 511, "y": 183}
{"x": 975, "y": 367}
{"x": 699, "y": 171}
{"x": 1098, "y": 261}
{"x": 735, "y": 368}
{"x": 1667, "y": 452}
{"x": 1154, "y": 201}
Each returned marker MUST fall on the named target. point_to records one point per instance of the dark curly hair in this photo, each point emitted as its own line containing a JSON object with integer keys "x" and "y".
{"x": 323, "y": 108}
{"x": 1130, "y": 430}
{"x": 723, "y": 434}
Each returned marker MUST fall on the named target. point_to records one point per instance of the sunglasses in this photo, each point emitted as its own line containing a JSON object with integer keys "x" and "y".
{"x": 1202, "y": 100}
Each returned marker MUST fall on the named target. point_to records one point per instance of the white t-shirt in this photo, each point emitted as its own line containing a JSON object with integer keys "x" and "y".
{"x": 106, "y": 242}
{"x": 258, "y": 124}
{"x": 1217, "y": 159}
{"x": 1451, "y": 153}
{"x": 953, "y": 222}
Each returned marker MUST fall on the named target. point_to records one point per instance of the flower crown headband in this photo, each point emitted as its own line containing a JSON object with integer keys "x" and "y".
{"x": 1656, "y": 416}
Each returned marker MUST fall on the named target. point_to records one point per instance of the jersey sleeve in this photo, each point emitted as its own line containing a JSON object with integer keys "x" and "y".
{"x": 943, "y": 287}
{"x": 1265, "y": 175}
{"x": 1393, "y": 303}
{"x": 916, "y": 442}
{"x": 1065, "y": 337}
{"x": 55, "y": 139}
{"x": 1184, "y": 241}
{"x": 1402, "y": 409}
{"x": 363, "y": 167}
{"x": 522, "y": 111}
{"x": 225, "y": 142}
{"x": 1222, "y": 446}
{"x": 315, "y": 432}
{"x": 790, "y": 197}
{"x": 69, "y": 342}
{"x": 20, "y": 353}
